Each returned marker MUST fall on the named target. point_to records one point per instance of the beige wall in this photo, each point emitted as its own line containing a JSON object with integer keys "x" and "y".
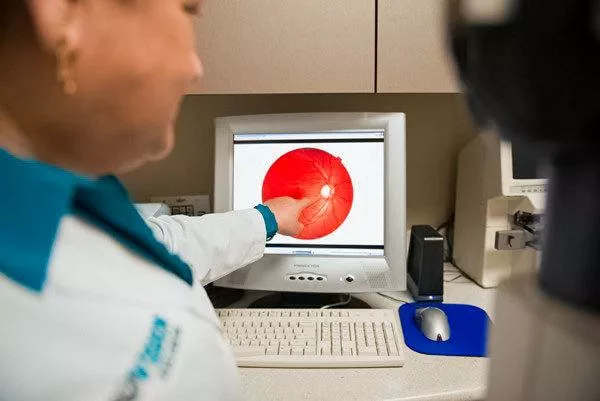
{"x": 437, "y": 128}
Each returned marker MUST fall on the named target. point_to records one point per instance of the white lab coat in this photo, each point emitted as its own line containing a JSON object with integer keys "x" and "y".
{"x": 110, "y": 325}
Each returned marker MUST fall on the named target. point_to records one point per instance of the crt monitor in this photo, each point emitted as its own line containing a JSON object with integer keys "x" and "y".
{"x": 351, "y": 166}
{"x": 495, "y": 180}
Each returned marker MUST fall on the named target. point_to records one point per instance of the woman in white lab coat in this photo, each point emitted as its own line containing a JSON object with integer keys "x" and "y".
{"x": 92, "y": 306}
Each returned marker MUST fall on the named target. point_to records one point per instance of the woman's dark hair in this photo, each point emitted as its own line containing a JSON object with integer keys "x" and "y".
{"x": 12, "y": 14}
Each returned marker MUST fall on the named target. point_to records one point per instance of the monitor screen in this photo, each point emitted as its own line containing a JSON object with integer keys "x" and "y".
{"x": 341, "y": 172}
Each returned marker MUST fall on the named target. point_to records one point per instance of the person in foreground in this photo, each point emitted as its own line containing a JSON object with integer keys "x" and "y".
{"x": 94, "y": 303}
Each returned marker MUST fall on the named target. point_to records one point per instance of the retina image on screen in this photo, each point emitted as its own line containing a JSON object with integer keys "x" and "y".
{"x": 341, "y": 172}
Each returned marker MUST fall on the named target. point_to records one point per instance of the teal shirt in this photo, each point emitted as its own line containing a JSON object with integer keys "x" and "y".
{"x": 34, "y": 197}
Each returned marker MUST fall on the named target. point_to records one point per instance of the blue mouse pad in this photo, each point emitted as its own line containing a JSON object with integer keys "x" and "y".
{"x": 468, "y": 330}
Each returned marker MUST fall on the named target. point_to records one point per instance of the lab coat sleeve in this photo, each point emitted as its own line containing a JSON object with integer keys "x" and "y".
{"x": 214, "y": 245}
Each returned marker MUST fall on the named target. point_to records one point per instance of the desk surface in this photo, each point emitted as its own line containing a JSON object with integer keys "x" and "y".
{"x": 423, "y": 377}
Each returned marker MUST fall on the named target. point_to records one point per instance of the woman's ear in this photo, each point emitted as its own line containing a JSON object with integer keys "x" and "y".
{"x": 57, "y": 23}
{"x": 58, "y": 26}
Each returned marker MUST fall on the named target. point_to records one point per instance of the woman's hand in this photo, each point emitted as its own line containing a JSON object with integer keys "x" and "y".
{"x": 287, "y": 211}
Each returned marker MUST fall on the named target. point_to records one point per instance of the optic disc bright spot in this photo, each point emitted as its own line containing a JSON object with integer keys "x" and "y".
{"x": 326, "y": 191}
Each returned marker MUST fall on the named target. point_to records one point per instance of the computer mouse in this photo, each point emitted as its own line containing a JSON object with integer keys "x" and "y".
{"x": 433, "y": 323}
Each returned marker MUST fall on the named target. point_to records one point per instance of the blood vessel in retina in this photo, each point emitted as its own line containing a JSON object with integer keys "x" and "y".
{"x": 318, "y": 175}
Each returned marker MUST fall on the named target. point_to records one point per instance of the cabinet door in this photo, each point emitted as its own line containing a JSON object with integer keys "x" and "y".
{"x": 411, "y": 47}
{"x": 287, "y": 46}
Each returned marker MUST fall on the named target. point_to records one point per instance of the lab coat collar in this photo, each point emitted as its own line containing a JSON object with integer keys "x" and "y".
{"x": 34, "y": 197}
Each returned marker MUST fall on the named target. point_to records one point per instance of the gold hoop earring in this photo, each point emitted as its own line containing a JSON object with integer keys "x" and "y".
{"x": 64, "y": 73}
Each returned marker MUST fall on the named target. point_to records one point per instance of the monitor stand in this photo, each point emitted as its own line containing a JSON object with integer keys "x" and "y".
{"x": 303, "y": 300}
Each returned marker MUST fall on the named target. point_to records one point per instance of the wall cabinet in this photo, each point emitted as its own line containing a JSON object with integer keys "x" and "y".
{"x": 287, "y": 46}
{"x": 412, "y": 54}
{"x": 323, "y": 46}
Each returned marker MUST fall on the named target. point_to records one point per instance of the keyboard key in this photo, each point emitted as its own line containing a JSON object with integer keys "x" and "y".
{"x": 297, "y": 350}
{"x": 249, "y": 351}
{"x": 367, "y": 351}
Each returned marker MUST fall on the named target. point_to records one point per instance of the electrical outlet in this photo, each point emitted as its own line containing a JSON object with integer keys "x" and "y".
{"x": 190, "y": 205}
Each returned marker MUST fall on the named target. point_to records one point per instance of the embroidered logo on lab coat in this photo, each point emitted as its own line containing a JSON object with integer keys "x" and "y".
{"x": 155, "y": 360}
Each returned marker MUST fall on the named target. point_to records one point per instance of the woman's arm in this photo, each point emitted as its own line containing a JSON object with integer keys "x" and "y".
{"x": 213, "y": 245}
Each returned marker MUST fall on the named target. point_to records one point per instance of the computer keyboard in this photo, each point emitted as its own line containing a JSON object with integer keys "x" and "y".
{"x": 305, "y": 338}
